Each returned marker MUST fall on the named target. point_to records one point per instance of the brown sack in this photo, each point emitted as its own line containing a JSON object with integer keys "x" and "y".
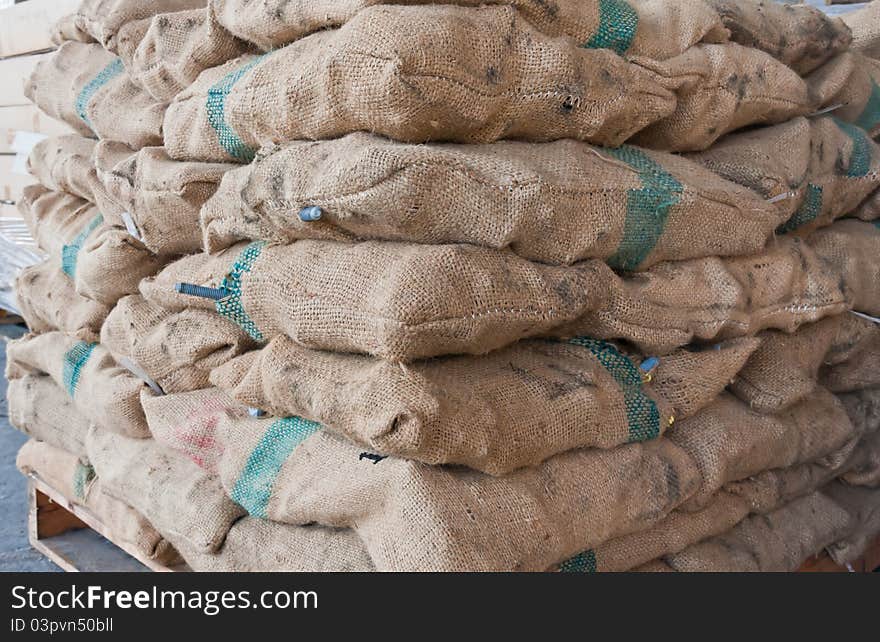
{"x": 722, "y": 88}
{"x": 839, "y": 352}
{"x": 176, "y": 349}
{"x": 654, "y": 28}
{"x": 556, "y": 202}
{"x": 67, "y": 164}
{"x": 255, "y": 545}
{"x": 186, "y": 422}
{"x": 729, "y": 442}
{"x": 863, "y": 505}
{"x": 105, "y": 393}
{"x": 163, "y": 197}
{"x": 489, "y": 75}
{"x": 87, "y": 88}
{"x": 66, "y": 29}
{"x": 866, "y": 471}
{"x": 103, "y": 19}
{"x": 510, "y": 408}
{"x": 48, "y": 300}
{"x": 849, "y": 85}
{"x": 39, "y": 408}
{"x": 413, "y": 516}
{"x": 182, "y": 501}
{"x": 800, "y": 36}
{"x": 112, "y": 264}
{"x": 845, "y": 248}
{"x": 166, "y": 53}
{"x": 65, "y": 473}
{"x": 104, "y": 262}
{"x": 865, "y": 25}
{"x": 404, "y": 302}
{"x": 777, "y": 542}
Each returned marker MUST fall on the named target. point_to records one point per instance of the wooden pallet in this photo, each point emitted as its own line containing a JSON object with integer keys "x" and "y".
{"x": 72, "y": 537}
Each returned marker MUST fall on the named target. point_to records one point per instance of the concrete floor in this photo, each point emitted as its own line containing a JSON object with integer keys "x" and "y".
{"x": 15, "y": 552}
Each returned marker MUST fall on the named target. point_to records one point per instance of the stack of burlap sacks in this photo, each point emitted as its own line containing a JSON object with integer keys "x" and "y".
{"x": 478, "y": 285}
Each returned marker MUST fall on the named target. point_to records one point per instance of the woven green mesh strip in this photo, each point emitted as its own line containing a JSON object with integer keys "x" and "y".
{"x": 231, "y": 306}
{"x": 618, "y": 23}
{"x": 642, "y": 414}
{"x": 870, "y": 116}
{"x": 807, "y": 212}
{"x": 581, "y": 563}
{"x": 74, "y": 361}
{"x": 81, "y": 478}
{"x": 215, "y": 105}
{"x": 647, "y": 208}
{"x": 253, "y": 488}
{"x": 860, "y": 158}
{"x": 85, "y": 95}
{"x": 70, "y": 252}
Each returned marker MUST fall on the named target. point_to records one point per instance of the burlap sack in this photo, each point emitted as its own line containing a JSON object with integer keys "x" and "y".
{"x": 826, "y": 169}
{"x": 102, "y": 391}
{"x": 47, "y": 300}
{"x": 851, "y": 364}
{"x": 164, "y": 54}
{"x": 776, "y": 542}
{"x": 404, "y": 302}
{"x": 863, "y": 505}
{"x": 513, "y": 407}
{"x": 839, "y": 352}
{"x": 730, "y": 442}
{"x": 845, "y": 248}
{"x": 849, "y": 86}
{"x": 66, "y": 29}
{"x": 39, "y": 408}
{"x": 869, "y": 210}
{"x": 162, "y": 197}
{"x": 183, "y": 502}
{"x": 413, "y": 516}
{"x": 105, "y": 262}
{"x": 489, "y": 75}
{"x": 112, "y": 264}
{"x": 674, "y": 533}
{"x": 103, "y": 19}
{"x": 863, "y": 408}
{"x": 186, "y": 422}
{"x": 773, "y": 161}
{"x": 557, "y": 202}
{"x": 865, "y": 26}
{"x": 721, "y": 88}
{"x": 395, "y": 300}
{"x": 767, "y": 491}
{"x": 762, "y": 493}
{"x": 176, "y": 349}
{"x": 67, "y": 164}
{"x": 800, "y": 36}
{"x": 654, "y": 28}
{"x": 78, "y": 484}
{"x": 87, "y": 88}
{"x": 256, "y": 545}
{"x": 866, "y": 471}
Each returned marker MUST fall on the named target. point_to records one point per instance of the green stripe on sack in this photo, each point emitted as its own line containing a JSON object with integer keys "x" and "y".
{"x": 618, "y": 23}
{"x": 81, "y": 478}
{"x": 642, "y": 414}
{"x": 581, "y": 563}
{"x": 253, "y": 489}
{"x": 647, "y": 208}
{"x": 215, "y": 105}
{"x": 870, "y": 116}
{"x": 107, "y": 74}
{"x": 74, "y": 361}
{"x": 860, "y": 157}
{"x": 807, "y": 212}
{"x": 230, "y": 306}
{"x": 70, "y": 252}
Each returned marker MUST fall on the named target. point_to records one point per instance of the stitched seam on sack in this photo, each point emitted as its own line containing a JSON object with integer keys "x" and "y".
{"x": 73, "y": 361}
{"x": 108, "y": 73}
